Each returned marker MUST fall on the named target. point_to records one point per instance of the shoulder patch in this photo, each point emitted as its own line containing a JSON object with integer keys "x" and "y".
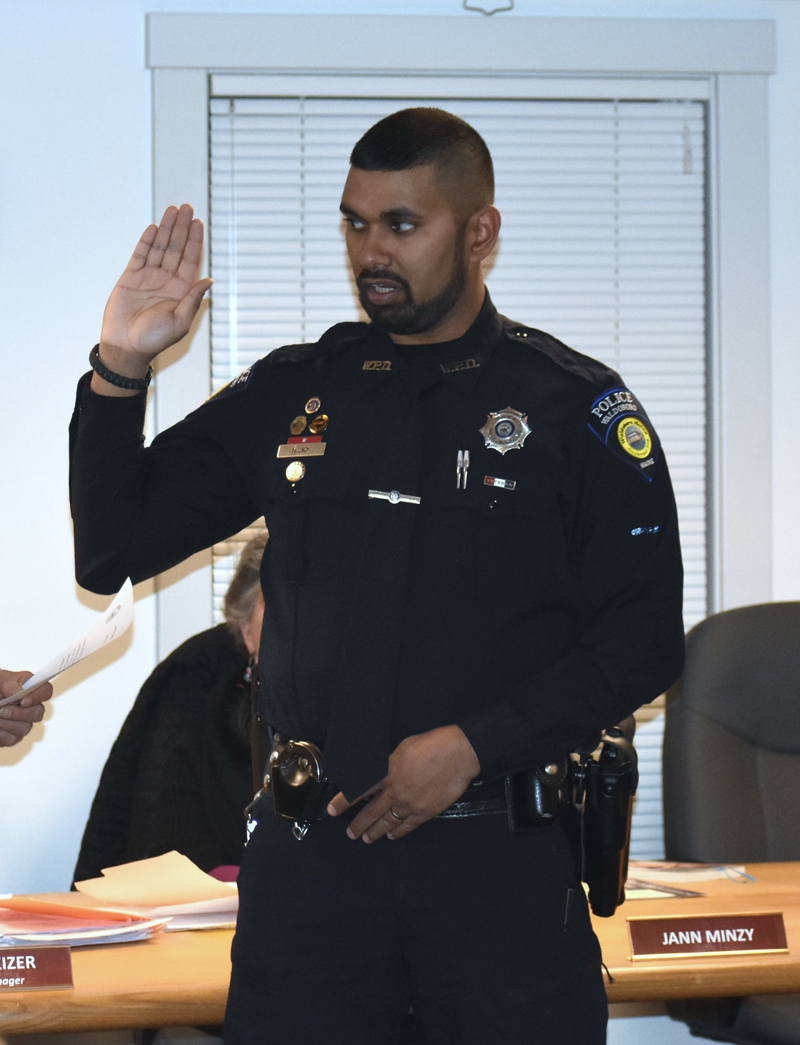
{"x": 239, "y": 384}
{"x": 618, "y": 420}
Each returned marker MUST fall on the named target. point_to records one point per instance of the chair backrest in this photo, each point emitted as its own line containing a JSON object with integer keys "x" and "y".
{"x": 732, "y": 739}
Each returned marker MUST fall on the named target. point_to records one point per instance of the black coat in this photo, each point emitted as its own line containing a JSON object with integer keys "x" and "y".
{"x": 178, "y": 775}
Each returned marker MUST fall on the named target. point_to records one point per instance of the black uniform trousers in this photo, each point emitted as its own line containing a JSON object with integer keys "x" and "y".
{"x": 461, "y": 919}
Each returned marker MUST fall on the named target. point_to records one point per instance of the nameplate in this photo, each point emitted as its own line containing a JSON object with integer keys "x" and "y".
{"x": 706, "y": 935}
{"x": 302, "y": 449}
{"x": 35, "y": 968}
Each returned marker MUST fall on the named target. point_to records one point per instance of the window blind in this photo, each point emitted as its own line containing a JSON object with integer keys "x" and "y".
{"x": 602, "y": 245}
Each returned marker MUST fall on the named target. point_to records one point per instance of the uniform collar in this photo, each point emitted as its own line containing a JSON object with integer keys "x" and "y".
{"x": 459, "y": 362}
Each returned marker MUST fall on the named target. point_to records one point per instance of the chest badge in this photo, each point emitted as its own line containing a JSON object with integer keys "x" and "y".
{"x": 506, "y": 430}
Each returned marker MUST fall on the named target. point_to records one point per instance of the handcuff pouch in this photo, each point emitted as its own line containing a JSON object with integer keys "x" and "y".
{"x": 300, "y": 790}
{"x": 533, "y": 797}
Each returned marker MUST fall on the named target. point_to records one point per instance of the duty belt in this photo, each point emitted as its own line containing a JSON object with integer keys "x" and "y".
{"x": 300, "y": 791}
{"x": 591, "y": 790}
{"x": 478, "y": 799}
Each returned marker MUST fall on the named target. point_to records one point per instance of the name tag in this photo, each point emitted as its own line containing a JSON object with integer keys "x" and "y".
{"x": 301, "y": 449}
{"x": 35, "y": 968}
{"x": 696, "y": 936}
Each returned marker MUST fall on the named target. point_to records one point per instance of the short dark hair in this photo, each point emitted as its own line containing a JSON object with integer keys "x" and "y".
{"x": 421, "y": 136}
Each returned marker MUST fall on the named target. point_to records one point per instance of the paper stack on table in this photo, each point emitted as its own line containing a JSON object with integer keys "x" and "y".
{"x": 169, "y": 887}
{"x": 26, "y": 920}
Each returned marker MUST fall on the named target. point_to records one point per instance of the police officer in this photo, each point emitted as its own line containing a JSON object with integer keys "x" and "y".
{"x": 473, "y": 567}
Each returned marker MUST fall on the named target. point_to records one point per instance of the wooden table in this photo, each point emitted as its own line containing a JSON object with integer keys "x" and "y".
{"x": 182, "y": 978}
{"x": 777, "y": 888}
{"x": 175, "y": 979}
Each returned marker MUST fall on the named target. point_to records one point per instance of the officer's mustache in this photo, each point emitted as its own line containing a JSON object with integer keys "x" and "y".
{"x": 383, "y": 276}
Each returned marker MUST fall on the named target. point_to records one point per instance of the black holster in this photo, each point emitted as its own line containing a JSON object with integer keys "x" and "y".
{"x": 591, "y": 794}
{"x": 608, "y": 783}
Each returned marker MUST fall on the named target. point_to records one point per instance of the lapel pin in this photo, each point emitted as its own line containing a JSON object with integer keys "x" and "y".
{"x": 504, "y": 484}
{"x": 319, "y": 424}
{"x": 393, "y": 497}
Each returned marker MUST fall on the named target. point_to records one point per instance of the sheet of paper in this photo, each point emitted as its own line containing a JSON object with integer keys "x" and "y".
{"x": 37, "y": 905}
{"x": 638, "y": 890}
{"x": 201, "y": 908}
{"x": 195, "y": 922}
{"x": 12, "y": 923}
{"x": 158, "y": 882}
{"x": 675, "y": 871}
{"x": 138, "y": 930}
{"x": 114, "y": 622}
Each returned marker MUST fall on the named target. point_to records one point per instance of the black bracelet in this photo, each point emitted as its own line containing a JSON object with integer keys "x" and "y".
{"x": 137, "y": 384}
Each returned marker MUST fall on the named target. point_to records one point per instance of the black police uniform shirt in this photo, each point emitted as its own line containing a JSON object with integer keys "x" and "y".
{"x": 542, "y": 596}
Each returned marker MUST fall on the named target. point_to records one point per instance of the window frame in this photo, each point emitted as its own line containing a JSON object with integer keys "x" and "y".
{"x": 726, "y": 62}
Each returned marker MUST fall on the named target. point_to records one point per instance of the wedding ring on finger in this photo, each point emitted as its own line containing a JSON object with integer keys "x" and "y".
{"x": 398, "y": 818}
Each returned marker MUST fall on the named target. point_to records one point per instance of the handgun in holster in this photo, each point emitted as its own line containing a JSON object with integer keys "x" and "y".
{"x": 591, "y": 793}
{"x": 604, "y": 782}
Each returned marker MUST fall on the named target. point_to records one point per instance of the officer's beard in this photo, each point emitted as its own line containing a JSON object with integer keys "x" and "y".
{"x": 410, "y": 316}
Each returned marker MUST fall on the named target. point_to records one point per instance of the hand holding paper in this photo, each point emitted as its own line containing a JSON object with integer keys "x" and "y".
{"x": 114, "y": 622}
{"x": 16, "y": 722}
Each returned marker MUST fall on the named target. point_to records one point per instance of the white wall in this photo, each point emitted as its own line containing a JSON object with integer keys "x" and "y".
{"x": 75, "y": 191}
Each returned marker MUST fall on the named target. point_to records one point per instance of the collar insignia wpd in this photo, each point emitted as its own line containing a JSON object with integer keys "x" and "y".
{"x": 505, "y": 430}
{"x": 461, "y": 364}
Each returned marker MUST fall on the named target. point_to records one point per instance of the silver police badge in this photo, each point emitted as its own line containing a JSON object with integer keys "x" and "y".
{"x": 506, "y": 430}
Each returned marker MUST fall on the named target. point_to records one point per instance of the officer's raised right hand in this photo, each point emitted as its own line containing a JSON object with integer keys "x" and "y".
{"x": 153, "y": 304}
